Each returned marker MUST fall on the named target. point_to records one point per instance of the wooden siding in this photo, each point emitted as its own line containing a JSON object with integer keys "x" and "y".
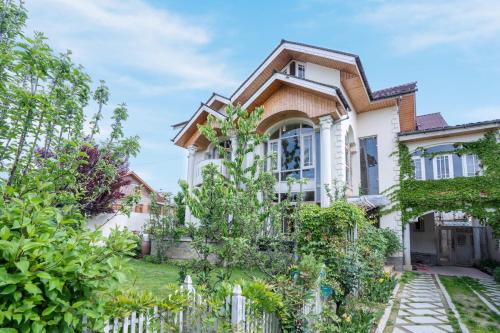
{"x": 289, "y": 101}
{"x": 356, "y": 90}
{"x": 280, "y": 61}
{"x": 407, "y": 114}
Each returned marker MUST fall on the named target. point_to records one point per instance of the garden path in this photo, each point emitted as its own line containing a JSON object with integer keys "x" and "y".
{"x": 492, "y": 290}
{"x": 422, "y": 308}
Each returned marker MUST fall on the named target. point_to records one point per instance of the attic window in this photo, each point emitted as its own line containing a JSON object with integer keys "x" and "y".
{"x": 297, "y": 69}
{"x": 301, "y": 71}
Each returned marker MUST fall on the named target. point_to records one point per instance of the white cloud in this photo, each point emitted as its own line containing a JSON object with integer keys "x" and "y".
{"x": 150, "y": 44}
{"x": 417, "y": 25}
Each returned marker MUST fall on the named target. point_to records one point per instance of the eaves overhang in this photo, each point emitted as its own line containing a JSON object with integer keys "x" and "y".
{"x": 450, "y": 131}
{"x": 314, "y": 86}
{"x": 192, "y": 121}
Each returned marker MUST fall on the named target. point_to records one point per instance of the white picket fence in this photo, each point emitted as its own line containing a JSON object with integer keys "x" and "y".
{"x": 238, "y": 315}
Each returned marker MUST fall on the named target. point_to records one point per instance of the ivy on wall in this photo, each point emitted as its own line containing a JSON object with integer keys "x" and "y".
{"x": 478, "y": 196}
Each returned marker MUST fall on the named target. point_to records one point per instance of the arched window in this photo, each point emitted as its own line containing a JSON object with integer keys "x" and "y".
{"x": 293, "y": 145}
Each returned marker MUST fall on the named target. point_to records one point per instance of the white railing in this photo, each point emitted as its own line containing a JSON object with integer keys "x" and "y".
{"x": 199, "y": 168}
{"x": 237, "y": 315}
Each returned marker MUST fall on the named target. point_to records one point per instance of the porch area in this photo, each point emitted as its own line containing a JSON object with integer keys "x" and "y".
{"x": 447, "y": 239}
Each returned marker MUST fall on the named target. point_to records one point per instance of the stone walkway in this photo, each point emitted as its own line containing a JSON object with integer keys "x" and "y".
{"x": 422, "y": 308}
{"x": 492, "y": 290}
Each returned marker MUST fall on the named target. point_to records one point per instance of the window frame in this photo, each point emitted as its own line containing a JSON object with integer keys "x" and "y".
{"x": 286, "y": 70}
{"x": 450, "y": 166}
{"x": 297, "y": 65}
{"x": 422, "y": 167}
{"x": 301, "y": 136}
{"x": 361, "y": 149}
{"x": 478, "y": 172}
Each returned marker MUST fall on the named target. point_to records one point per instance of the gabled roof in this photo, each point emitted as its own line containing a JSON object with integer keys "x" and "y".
{"x": 140, "y": 180}
{"x": 402, "y": 89}
{"x": 431, "y": 120}
{"x": 217, "y": 101}
{"x": 353, "y": 79}
{"x": 203, "y": 109}
{"x": 288, "y": 79}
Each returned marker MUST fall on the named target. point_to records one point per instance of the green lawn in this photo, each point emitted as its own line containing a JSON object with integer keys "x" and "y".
{"x": 154, "y": 277}
{"x": 475, "y": 315}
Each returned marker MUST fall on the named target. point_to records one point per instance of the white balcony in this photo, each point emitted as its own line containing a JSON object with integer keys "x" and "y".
{"x": 199, "y": 168}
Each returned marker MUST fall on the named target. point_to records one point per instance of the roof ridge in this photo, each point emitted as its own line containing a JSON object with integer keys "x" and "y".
{"x": 428, "y": 114}
{"x": 397, "y": 86}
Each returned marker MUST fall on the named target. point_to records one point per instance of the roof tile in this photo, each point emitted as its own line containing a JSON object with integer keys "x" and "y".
{"x": 394, "y": 91}
{"x": 431, "y": 120}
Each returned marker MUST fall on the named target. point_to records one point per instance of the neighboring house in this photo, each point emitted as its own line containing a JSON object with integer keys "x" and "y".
{"x": 326, "y": 125}
{"x": 140, "y": 214}
{"x": 449, "y": 238}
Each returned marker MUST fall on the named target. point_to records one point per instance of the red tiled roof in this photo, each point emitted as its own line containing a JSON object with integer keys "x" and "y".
{"x": 431, "y": 120}
{"x": 394, "y": 91}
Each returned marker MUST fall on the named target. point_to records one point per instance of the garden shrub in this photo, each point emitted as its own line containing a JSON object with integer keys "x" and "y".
{"x": 52, "y": 270}
{"x": 496, "y": 274}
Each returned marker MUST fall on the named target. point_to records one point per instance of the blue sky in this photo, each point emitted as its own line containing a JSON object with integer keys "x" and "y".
{"x": 163, "y": 57}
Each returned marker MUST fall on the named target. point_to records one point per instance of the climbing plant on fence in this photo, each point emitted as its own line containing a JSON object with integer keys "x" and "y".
{"x": 478, "y": 196}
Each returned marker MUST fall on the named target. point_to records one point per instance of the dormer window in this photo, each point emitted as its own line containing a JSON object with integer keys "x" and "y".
{"x": 296, "y": 69}
{"x": 301, "y": 70}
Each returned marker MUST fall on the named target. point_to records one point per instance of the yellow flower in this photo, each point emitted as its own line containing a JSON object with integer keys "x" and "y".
{"x": 348, "y": 319}
{"x": 381, "y": 280}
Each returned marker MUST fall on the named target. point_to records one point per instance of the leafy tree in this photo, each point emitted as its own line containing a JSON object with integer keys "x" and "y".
{"x": 52, "y": 270}
{"x": 180, "y": 208}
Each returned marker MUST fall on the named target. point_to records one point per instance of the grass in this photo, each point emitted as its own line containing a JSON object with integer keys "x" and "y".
{"x": 152, "y": 277}
{"x": 407, "y": 277}
{"x": 475, "y": 315}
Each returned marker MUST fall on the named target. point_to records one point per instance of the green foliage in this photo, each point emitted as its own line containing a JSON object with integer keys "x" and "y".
{"x": 180, "y": 208}
{"x": 52, "y": 270}
{"x": 496, "y": 274}
{"x": 162, "y": 229}
{"x": 356, "y": 319}
{"x": 238, "y": 222}
{"x": 478, "y": 196}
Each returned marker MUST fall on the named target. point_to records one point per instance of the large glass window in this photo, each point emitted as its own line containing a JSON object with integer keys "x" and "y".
{"x": 442, "y": 167}
{"x": 418, "y": 168}
{"x": 471, "y": 165}
{"x": 293, "y": 147}
{"x": 369, "y": 165}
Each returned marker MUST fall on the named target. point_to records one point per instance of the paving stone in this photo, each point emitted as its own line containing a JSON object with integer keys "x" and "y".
{"x": 425, "y": 320}
{"x": 424, "y": 329}
{"x": 421, "y": 308}
{"x": 423, "y": 312}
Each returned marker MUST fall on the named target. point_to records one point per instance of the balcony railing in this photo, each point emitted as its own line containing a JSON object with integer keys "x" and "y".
{"x": 199, "y": 168}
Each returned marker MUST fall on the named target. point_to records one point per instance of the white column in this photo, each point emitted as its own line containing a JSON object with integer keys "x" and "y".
{"x": 326, "y": 157}
{"x": 407, "y": 247}
{"x": 190, "y": 179}
{"x": 234, "y": 144}
{"x": 476, "y": 235}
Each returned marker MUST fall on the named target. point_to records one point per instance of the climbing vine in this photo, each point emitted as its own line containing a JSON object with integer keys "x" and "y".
{"x": 478, "y": 196}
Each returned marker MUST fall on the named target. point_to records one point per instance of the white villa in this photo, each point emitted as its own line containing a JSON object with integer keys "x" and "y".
{"x": 327, "y": 125}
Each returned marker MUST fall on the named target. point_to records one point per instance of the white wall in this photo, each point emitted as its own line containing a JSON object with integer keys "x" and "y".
{"x": 322, "y": 74}
{"x": 383, "y": 123}
{"x": 135, "y": 222}
{"x": 441, "y": 141}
